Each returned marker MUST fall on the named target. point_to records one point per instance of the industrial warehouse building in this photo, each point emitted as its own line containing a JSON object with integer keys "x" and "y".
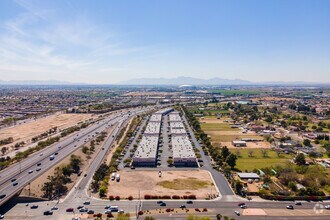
{"x": 183, "y": 152}
{"x": 147, "y": 150}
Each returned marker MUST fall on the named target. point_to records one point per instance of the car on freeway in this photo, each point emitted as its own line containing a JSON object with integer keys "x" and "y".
{"x": 107, "y": 207}
{"x": 162, "y": 204}
{"x": 30, "y": 171}
{"x": 13, "y": 180}
{"x": 189, "y": 202}
{"x": 237, "y": 213}
{"x": 2, "y": 196}
{"x": 34, "y": 206}
{"x": 80, "y": 206}
{"x": 69, "y": 210}
{"x": 38, "y": 169}
{"x": 243, "y": 206}
{"x": 2, "y": 216}
{"x": 85, "y": 175}
{"x": 41, "y": 154}
{"x": 159, "y": 202}
{"x": 38, "y": 164}
{"x": 107, "y": 211}
{"x": 327, "y": 207}
{"x": 298, "y": 203}
{"x": 15, "y": 184}
{"x": 90, "y": 212}
{"x": 289, "y": 207}
{"x": 87, "y": 203}
{"x": 182, "y": 206}
{"x": 48, "y": 213}
{"x": 54, "y": 208}
{"x": 56, "y": 153}
{"x": 121, "y": 211}
{"x": 83, "y": 209}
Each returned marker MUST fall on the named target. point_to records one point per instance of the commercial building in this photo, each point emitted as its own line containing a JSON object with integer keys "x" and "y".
{"x": 177, "y": 128}
{"x": 239, "y": 143}
{"x": 183, "y": 152}
{"x": 146, "y": 153}
{"x": 152, "y": 128}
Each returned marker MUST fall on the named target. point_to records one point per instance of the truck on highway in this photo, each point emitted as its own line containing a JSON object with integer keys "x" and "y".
{"x": 117, "y": 177}
{"x": 52, "y": 157}
{"x": 113, "y": 176}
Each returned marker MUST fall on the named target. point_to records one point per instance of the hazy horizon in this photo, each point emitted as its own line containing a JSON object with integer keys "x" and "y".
{"x": 106, "y": 42}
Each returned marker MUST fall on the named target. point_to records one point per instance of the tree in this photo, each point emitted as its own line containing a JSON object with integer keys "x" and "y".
{"x": 307, "y": 142}
{"x": 84, "y": 149}
{"x": 224, "y": 152}
{"x": 292, "y": 185}
{"x": 238, "y": 187}
{"x": 4, "y": 150}
{"x": 300, "y": 159}
{"x": 219, "y": 216}
{"x": 231, "y": 160}
{"x": 75, "y": 162}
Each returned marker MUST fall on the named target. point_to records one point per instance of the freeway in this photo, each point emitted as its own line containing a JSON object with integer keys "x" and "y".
{"x": 32, "y": 167}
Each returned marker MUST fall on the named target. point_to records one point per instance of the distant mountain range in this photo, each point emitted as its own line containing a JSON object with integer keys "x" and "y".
{"x": 213, "y": 81}
{"x": 178, "y": 81}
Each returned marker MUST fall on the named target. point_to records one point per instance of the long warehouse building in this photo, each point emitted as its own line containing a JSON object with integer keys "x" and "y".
{"x": 147, "y": 151}
{"x": 183, "y": 151}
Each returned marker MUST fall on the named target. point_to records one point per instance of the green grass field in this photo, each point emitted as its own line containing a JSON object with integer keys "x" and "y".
{"x": 257, "y": 161}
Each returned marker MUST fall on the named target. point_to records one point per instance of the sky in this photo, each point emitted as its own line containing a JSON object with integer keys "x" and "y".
{"x": 108, "y": 41}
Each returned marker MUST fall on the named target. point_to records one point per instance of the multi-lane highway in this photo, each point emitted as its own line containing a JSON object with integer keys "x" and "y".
{"x": 16, "y": 177}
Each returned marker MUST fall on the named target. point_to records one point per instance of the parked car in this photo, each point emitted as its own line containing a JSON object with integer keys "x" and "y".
{"x": 90, "y": 212}
{"x": 48, "y": 213}
{"x": 34, "y": 206}
{"x": 54, "y": 208}
{"x": 87, "y": 203}
{"x": 289, "y": 207}
{"x": 83, "y": 209}
{"x": 2, "y": 216}
{"x": 327, "y": 207}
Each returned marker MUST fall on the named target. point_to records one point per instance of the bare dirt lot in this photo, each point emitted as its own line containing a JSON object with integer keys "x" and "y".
{"x": 25, "y": 132}
{"x": 181, "y": 182}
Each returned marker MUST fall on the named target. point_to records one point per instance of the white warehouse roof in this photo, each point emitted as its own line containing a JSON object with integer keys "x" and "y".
{"x": 147, "y": 147}
{"x": 182, "y": 147}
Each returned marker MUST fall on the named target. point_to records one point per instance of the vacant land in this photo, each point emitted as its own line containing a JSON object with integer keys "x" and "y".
{"x": 249, "y": 159}
{"x": 25, "y": 132}
{"x": 182, "y": 182}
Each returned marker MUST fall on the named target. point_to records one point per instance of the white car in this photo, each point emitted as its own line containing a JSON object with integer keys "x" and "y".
{"x": 2, "y": 216}
{"x": 327, "y": 207}
{"x": 107, "y": 211}
{"x": 30, "y": 171}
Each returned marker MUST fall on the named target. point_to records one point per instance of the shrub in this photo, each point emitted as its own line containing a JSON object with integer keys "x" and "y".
{"x": 168, "y": 210}
{"x": 192, "y": 197}
{"x": 130, "y": 198}
{"x": 140, "y": 212}
{"x": 111, "y": 198}
{"x": 205, "y": 210}
{"x": 109, "y": 215}
{"x": 117, "y": 198}
{"x": 147, "y": 197}
{"x": 175, "y": 197}
{"x": 197, "y": 210}
{"x": 165, "y": 197}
